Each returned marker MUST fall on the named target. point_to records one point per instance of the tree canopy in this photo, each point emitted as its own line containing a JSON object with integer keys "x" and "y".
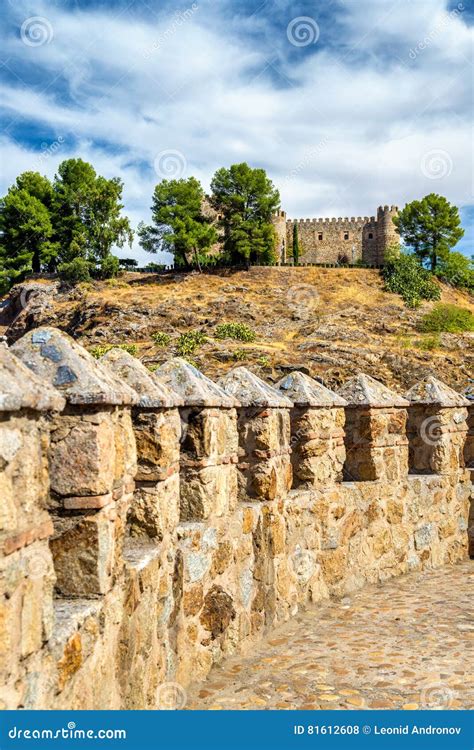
{"x": 431, "y": 226}
{"x": 180, "y": 225}
{"x": 246, "y": 199}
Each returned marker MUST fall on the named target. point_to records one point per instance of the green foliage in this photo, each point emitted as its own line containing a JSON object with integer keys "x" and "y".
{"x": 26, "y": 229}
{"x": 154, "y": 267}
{"x": 431, "y": 226}
{"x": 448, "y": 319}
{"x": 45, "y": 226}
{"x": 246, "y": 199}
{"x": 296, "y": 245}
{"x": 239, "y": 355}
{"x": 109, "y": 267}
{"x": 179, "y": 224}
{"x": 129, "y": 264}
{"x": 458, "y": 270}
{"x": 87, "y": 212}
{"x": 263, "y": 361}
{"x": 75, "y": 271}
{"x": 428, "y": 343}
{"x": 236, "y": 331}
{"x": 188, "y": 343}
{"x": 100, "y": 350}
{"x": 161, "y": 339}
{"x": 404, "y": 275}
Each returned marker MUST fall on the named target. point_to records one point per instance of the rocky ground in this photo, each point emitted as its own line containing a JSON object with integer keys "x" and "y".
{"x": 376, "y": 649}
{"x": 328, "y": 322}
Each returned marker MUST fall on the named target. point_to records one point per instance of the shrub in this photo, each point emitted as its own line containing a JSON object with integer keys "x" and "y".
{"x": 76, "y": 270}
{"x": 428, "y": 343}
{"x": 405, "y": 276}
{"x": 109, "y": 267}
{"x": 448, "y": 319}
{"x": 458, "y": 270}
{"x": 190, "y": 341}
{"x": 263, "y": 361}
{"x": 101, "y": 349}
{"x": 236, "y": 331}
{"x": 239, "y": 355}
{"x": 161, "y": 339}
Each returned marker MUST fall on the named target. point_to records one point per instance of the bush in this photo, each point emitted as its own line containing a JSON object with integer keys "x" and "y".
{"x": 101, "y": 349}
{"x": 189, "y": 342}
{"x": 236, "y": 331}
{"x": 109, "y": 268}
{"x": 162, "y": 339}
{"x": 458, "y": 270}
{"x": 76, "y": 270}
{"x": 405, "y": 276}
{"x": 447, "y": 319}
{"x": 428, "y": 343}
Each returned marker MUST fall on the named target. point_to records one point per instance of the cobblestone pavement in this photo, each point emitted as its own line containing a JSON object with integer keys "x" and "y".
{"x": 405, "y": 644}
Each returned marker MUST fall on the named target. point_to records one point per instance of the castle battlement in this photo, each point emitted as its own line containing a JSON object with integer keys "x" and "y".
{"x": 339, "y": 240}
{"x": 154, "y": 522}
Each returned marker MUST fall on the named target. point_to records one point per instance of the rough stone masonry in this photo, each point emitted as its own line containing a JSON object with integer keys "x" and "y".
{"x": 153, "y": 523}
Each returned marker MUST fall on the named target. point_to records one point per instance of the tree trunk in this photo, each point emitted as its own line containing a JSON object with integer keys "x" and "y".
{"x": 36, "y": 261}
{"x": 196, "y": 256}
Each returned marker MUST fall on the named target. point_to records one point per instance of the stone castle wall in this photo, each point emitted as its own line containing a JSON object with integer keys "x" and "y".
{"x": 153, "y": 523}
{"x": 342, "y": 240}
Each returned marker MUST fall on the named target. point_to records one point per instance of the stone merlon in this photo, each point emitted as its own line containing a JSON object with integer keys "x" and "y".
{"x": 362, "y": 390}
{"x": 430, "y": 390}
{"x": 305, "y": 391}
{"x": 22, "y": 389}
{"x": 57, "y": 358}
{"x": 250, "y": 390}
{"x": 151, "y": 391}
{"x": 195, "y": 389}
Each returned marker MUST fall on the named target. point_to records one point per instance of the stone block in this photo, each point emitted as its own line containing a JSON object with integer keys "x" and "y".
{"x": 157, "y": 434}
{"x": 155, "y": 508}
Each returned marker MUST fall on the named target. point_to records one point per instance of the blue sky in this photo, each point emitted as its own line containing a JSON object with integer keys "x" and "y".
{"x": 348, "y": 104}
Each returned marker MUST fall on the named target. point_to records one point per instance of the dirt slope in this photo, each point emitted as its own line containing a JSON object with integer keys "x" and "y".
{"x": 329, "y": 322}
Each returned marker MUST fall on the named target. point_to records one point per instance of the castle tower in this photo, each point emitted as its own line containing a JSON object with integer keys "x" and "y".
{"x": 279, "y": 222}
{"x": 387, "y": 235}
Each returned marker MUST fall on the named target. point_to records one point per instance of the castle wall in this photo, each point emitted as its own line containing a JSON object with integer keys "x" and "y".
{"x": 344, "y": 240}
{"x": 162, "y": 601}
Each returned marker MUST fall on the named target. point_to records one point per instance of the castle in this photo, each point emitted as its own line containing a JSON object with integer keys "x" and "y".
{"x": 153, "y": 523}
{"x": 344, "y": 241}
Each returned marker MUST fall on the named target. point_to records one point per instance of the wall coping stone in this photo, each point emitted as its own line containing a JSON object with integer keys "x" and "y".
{"x": 250, "y": 390}
{"x": 151, "y": 392}
{"x": 192, "y": 385}
{"x": 430, "y": 390}
{"x": 363, "y": 390}
{"x": 22, "y": 389}
{"x": 65, "y": 364}
{"x": 305, "y": 391}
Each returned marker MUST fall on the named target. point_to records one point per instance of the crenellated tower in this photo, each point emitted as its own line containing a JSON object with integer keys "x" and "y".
{"x": 387, "y": 235}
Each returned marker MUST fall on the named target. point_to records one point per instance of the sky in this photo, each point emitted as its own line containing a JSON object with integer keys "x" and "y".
{"x": 348, "y": 104}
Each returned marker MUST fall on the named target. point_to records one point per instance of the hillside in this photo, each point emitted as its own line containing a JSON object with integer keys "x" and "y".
{"x": 330, "y": 322}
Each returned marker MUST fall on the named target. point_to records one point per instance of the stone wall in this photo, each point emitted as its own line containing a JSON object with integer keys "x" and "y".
{"x": 153, "y": 523}
{"x": 342, "y": 240}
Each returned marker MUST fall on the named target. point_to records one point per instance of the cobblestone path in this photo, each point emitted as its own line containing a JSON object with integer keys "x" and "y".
{"x": 407, "y": 643}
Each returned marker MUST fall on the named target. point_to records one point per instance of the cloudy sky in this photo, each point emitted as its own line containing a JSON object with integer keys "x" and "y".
{"x": 348, "y": 104}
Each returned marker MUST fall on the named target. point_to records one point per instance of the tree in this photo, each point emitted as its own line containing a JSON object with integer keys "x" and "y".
{"x": 87, "y": 213}
{"x": 296, "y": 245}
{"x": 179, "y": 223}
{"x": 246, "y": 199}
{"x": 128, "y": 263}
{"x": 431, "y": 226}
{"x": 26, "y": 243}
{"x": 458, "y": 270}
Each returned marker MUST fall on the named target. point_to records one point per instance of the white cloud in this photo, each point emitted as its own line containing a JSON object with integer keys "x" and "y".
{"x": 339, "y": 131}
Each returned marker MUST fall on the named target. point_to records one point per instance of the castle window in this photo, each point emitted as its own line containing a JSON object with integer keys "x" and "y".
{"x": 320, "y": 236}
{"x": 346, "y": 235}
{"x": 371, "y": 235}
